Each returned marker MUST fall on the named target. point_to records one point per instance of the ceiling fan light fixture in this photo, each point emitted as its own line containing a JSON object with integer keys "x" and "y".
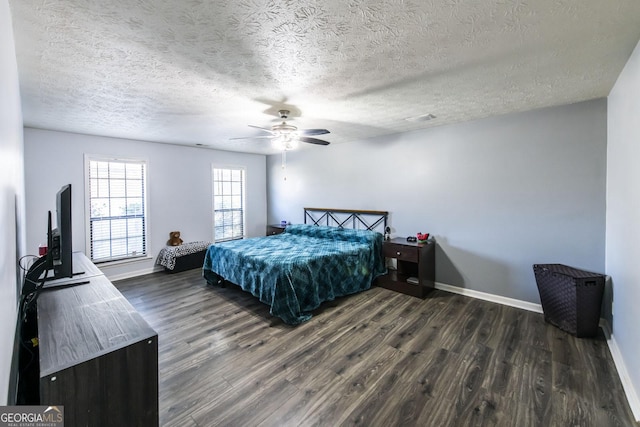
{"x": 286, "y": 142}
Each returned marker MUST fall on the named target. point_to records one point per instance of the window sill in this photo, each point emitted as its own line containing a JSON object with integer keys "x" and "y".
{"x": 122, "y": 261}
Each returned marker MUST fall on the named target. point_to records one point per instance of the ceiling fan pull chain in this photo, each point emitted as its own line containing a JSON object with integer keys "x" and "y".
{"x": 284, "y": 163}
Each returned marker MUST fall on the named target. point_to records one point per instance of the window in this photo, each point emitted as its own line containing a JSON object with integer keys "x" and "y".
{"x": 117, "y": 209}
{"x": 228, "y": 203}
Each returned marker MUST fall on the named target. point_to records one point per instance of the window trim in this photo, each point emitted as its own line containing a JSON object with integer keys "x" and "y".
{"x": 244, "y": 201}
{"x": 87, "y": 208}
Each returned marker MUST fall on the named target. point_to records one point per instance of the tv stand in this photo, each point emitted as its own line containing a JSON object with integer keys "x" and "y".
{"x": 97, "y": 356}
{"x": 64, "y": 285}
{"x": 49, "y": 279}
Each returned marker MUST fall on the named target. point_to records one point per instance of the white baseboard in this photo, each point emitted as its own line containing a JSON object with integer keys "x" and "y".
{"x": 130, "y": 274}
{"x": 529, "y": 306}
{"x": 629, "y": 390}
{"x": 632, "y": 395}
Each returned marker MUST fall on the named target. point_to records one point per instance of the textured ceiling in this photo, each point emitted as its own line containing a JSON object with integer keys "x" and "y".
{"x": 199, "y": 71}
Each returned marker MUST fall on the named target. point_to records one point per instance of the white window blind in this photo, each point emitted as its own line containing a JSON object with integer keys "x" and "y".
{"x": 228, "y": 203}
{"x": 117, "y": 209}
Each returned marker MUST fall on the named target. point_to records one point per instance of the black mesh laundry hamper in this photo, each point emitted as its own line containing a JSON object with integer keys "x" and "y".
{"x": 570, "y": 298}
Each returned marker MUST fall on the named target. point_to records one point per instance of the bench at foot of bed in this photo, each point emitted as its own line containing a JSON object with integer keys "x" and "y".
{"x": 184, "y": 257}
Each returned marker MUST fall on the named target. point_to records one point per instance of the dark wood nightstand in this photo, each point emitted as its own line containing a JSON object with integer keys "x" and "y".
{"x": 416, "y": 267}
{"x": 274, "y": 229}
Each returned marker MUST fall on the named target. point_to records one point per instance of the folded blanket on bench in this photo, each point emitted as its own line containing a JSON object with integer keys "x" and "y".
{"x": 167, "y": 256}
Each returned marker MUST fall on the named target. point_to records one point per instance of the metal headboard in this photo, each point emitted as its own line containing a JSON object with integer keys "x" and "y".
{"x": 358, "y": 219}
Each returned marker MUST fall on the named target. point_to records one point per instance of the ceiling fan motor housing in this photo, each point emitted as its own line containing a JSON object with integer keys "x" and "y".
{"x": 283, "y": 128}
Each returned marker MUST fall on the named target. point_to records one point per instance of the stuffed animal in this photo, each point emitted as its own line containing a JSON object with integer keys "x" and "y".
{"x": 174, "y": 239}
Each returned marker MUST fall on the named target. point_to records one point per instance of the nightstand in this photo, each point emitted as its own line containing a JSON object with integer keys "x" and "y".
{"x": 274, "y": 229}
{"x": 415, "y": 273}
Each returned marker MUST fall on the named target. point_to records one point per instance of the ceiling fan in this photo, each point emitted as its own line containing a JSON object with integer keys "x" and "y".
{"x": 286, "y": 136}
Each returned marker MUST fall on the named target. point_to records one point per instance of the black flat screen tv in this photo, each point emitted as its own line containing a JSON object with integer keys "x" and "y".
{"x": 59, "y": 257}
{"x": 62, "y": 250}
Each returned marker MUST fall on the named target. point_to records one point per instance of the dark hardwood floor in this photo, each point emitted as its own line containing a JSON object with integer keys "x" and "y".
{"x": 378, "y": 358}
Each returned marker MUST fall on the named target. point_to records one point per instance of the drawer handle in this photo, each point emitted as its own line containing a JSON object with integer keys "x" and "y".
{"x": 398, "y": 253}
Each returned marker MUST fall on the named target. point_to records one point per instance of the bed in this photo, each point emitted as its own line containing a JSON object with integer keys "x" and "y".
{"x": 296, "y": 271}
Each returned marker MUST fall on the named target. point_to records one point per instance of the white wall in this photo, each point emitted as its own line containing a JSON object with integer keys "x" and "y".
{"x": 623, "y": 223}
{"x": 179, "y": 188}
{"x": 11, "y": 195}
{"x": 498, "y": 194}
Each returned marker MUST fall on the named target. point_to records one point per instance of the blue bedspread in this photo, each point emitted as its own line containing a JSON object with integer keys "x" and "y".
{"x": 294, "y": 272}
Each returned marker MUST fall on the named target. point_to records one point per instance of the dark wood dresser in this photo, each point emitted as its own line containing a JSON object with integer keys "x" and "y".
{"x": 98, "y": 356}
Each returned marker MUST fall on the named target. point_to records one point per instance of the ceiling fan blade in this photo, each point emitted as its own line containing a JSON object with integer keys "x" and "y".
{"x": 255, "y": 137}
{"x": 261, "y": 128}
{"x": 313, "y": 140}
{"x": 313, "y": 131}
